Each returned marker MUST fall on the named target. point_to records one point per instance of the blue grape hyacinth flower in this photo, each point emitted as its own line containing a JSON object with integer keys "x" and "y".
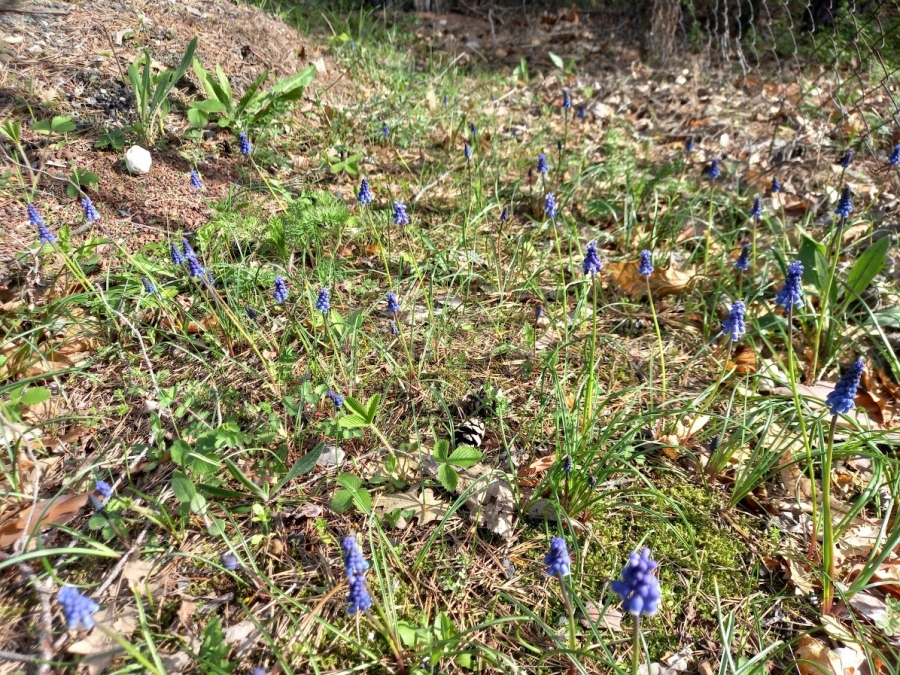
{"x": 385, "y": 130}
{"x": 467, "y": 150}
{"x": 638, "y": 586}
{"x": 557, "y": 560}
{"x": 90, "y": 211}
{"x": 504, "y": 214}
{"x": 713, "y": 171}
{"x": 186, "y": 247}
{"x": 776, "y": 186}
{"x": 645, "y": 268}
{"x": 148, "y": 285}
{"x": 323, "y": 302}
{"x": 542, "y": 166}
{"x": 258, "y": 671}
{"x": 756, "y": 211}
{"x": 99, "y": 498}
{"x": 894, "y": 158}
{"x": 689, "y": 145}
{"x": 568, "y": 465}
{"x": 840, "y": 400}
{"x": 846, "y": 159}
{"x": 196, "y": 183}
{"x": 791, "y": 294}
{"x": 195, "y": 269}
{"x": 582, "y": 112}
{"x": 592, "y": 264}
{"x": 743, "y": 260}
{"x": 845, "y": 203}
{"x": 473, "y": 129}
{"x": 550, "y": 207}
{"x": 393, "y": 305}
{"x": 177, "y": 258}
{"x": 336, "y": 399}
{"x": 229, "y": 561}
{"x": 44, "y": 234}
{"x": 734, "y": 324}
{"x": 401, "y": 217}
{"x": 358, "y": 598}
{"x": 365, "y": 196}
{"x": 354, "y": 562}
{"x": 281, "y": 292}
{"x": 77, "y": 609}
{"x": 567, "y": 100}
{"x": 393, "y": 328}
{"x": 245, "y": 143}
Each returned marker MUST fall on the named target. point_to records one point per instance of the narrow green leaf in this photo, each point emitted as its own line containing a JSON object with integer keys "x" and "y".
{"x": 303, "y": 465}
{"x": 244, "y": 480}
{"x": 225, "y": 84}
{"x": 250, "y": 93}
{"x": 372, "y": 407}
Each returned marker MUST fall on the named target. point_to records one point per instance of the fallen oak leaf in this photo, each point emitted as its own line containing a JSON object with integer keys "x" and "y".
{"x": 663, "y": 280}
{"x": 57, "y": 511}
{"x": 426, "y": 507}
{"x": 100, "y": 646}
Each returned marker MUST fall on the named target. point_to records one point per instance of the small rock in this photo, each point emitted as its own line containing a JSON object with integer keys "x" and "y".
{"x": 35, "y": 49}
{"x": 138, "y": 160}
{"x": 13, "y": 39}
{"x": 332, "y": 455}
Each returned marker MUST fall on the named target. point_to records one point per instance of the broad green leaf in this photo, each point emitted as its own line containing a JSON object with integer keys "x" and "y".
{"x": 197, "y": 118}
{"x": 216, "y": 526}
{"x": 352, "y": 421}
{"x": 441, "y": 450}
{"x": 291, "y": 88}
{"x": 250, "y": 93}
{"x": 888, "y": 318}
{"x": 209, "y": 105}
{"x": 34, "y": 396}
{"x": 179, "y": 450}
{"x": 183, "y": 487}
{"x": 363, "y": 499}
{"x": 198, "y": 503}
{"x": 62, "y": 124}
{"x": 373, "y": 407}
{"x": 869, "y": 264}
{"x": 349, "y": 481}
{"x": 42, "y": 127}
{"x": 447, "y": 475}
{"x": 815, "y": 267}
{"x": 557, "y": 60}
{"x": 201, "y": 462}
{"x": 225, "y": 84}
{"x": 356, "y": 407}
{"x": 465, "y": 456}
{"x": 342, "y": 501}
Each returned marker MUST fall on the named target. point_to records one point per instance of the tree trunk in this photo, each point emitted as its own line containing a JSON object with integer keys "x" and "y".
{"x": 436, "y": 6}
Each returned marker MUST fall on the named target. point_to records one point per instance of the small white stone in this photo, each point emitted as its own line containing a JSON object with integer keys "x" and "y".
{"x": 137, "y": 160}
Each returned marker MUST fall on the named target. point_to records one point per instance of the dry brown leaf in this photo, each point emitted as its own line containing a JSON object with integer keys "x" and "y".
{"x": 744, "y": 359}
{"x": 98, "y": 648}
{"x": 425, "y": 507}
{"x": 663, "y": 281}
{"x": 205, "y": 324}
{"x": 529, "y": 475}
{"x": 186, "y": 611}
{"x": 815, "y": 658}
{"x": 874, "y": 609}
{"x": 56, "y": 511}
{"x": 803, "y": 579}
{"x": 611, "y": 619}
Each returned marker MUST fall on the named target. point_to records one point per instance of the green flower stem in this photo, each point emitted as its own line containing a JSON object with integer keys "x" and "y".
{"x": 337, "y": 353}
{"x": 589, "y": 392}
{"x": 636, "y": 646}
{"x": 385, "y": 628}
{"x": 570, "y": 609}
{"x": 709, "y": 224}
{"x": 722, "y": 374}
{"x": 827, "y": 525}
{"x": 662, "y": 354}
{"x": 825, "y": 302}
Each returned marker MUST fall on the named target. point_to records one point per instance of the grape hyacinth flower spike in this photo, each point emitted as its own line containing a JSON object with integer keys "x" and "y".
{"x": 846, "y": 159}
{"x": 148, "y": 286}
{"x": 791, "y": 295}
{"x": 550, "y": 207}
{"x": 776, "y": 186}
{"x": 186, "y": 247}
{"x": 638, "y": 586}
{"x": 689, "y": 144}
{"x": 365, "y": 196}
{"x": 358, "y": 598}
{"x": 337, "y": 399}
{"x": 542, "y": 166}
{"x": 467, "y": 150}
{"x": 592, "y": 264}
{"x": 645, "y": 267}
{"x": 323, "y": 302}
{"x": 473, "y": 129}
{"x": 393, "y": 305}
{"x": 385, "y": 130}
{"x": 567, "y": 100}
{"x": 756, "y": 211}
{"x": 195, "y": 269}
{"x": 77, "y": 609}
{"x": 392, "y": 325}
{"x": 44, "y": 234}
{"x": 582, "y": 112}
{"x": 743, "y": 261}
{"x": 401, "y": 217}
{"x": 99, "y": 498}
{"x": 229, "y": 561}
{"x": 841, "y": 399}
{"x": 845, "y": 204}
{"x": 354, "y": 562}
{"x": 713, "y": 171}
{"x": 245, "y": 143}
{"x": 504, "y": 214}
{"x": 196, "y": 183}
{"x": 90, "y": 211}
{"x": 281, "y": 292}
{"x": 894, "y": 158}
{"x": 734, "y": 326}
{"x": 177, "y": 258}
{"x": 258, "y": 671}
{"x": 557, "y": 560}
